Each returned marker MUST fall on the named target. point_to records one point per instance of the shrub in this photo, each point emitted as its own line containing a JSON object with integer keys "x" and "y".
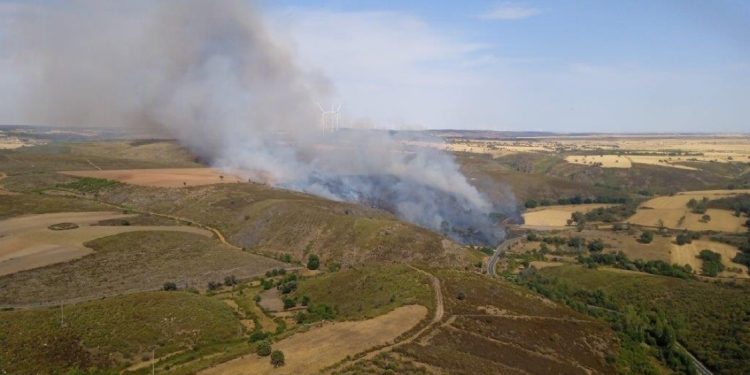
{"x": 461, "y": 296}
{"x": 213, "y": 285}
{"x": 289, "y": 303}
{"x": 531, "y": 203}
{"x": 313, "y": 262}
{"x": 596, "y": 246}
{"x": 532, "y": 236}
{"x": 277, "y": 358}
{"x": 264, "y": 348}
{"x": 683, "y": 238}
{"x": 576, "y": 242}
{"x": 646, "y": 237}
{"x": 258, "y": 336}
{"x": 286, "y": 258}
{"x": 230, "y": 280}
{"x": 169, "y": 286}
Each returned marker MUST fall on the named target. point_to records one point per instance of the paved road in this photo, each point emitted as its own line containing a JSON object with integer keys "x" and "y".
{"x": 499, "y": 251}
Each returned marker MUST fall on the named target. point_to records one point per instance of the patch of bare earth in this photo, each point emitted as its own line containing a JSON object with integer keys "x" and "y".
{"x": 166, "y": 177}
{"x": 320, "y": 347}
{"x": 27, "y": 242}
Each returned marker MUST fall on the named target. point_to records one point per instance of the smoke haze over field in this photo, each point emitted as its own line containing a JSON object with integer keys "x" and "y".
{"x": 209, "y": 74}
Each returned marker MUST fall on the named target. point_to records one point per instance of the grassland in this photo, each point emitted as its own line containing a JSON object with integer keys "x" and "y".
{"x": 366, "y": 292}
{"x": 131, "y": 262}
{"x": 111, "y": 333}
{"x": 711, "y": 319}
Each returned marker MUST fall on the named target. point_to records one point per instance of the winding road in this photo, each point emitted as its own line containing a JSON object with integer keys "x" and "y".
{"x": 499, "y": 251}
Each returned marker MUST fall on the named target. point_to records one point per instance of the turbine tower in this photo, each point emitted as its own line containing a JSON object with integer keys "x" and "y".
{"x": 329, "y": 119}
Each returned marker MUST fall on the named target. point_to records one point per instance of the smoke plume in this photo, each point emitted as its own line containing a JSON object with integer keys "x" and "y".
{"x": 209, "y": 74}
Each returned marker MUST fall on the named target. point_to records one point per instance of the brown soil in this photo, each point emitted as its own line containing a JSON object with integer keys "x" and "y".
{"x": 168, "y": 177}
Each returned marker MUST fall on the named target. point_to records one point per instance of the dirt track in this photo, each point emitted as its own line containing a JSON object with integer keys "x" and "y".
{"x": 311, "y": 351}
{"x": 26, "y": 242}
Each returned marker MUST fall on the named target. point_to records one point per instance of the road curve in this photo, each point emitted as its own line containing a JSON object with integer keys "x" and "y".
{"x": 499, "y": 251}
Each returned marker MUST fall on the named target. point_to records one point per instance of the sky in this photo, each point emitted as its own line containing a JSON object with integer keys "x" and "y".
{"x": 566, "y": 66}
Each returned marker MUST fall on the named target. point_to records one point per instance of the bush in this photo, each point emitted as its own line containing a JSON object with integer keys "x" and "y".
{"x": 532, "y": 236}
{"x": 169, "y": 286}
{"x": 258, "y": 336}
{"x": 461, "y": 296}
{"x": 277, "y": 358}
{"x": 683, "y": 238}
{"x": 213, "y": 285}
{"x": 264, "y": 348}
{"x": 230, "y": 280}
{"x": 596, "y": 246}
{"x": 313, "y": 262}
{"x": 576, "y": 242}
{"x": 646, "y": 237}
{"x": 289, "y": 303}
{"x": 286, "y": 258}
{"x": 531, "y": 203}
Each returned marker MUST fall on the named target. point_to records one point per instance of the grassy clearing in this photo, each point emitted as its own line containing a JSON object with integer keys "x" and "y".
{"x": 132, "y": 262}
{"x": 112, "y": 333}
{"x": 367, "y": 292}
{"x": 15, "y": 205}
{"x": 88, "y": 184}
{"x": 711, "y": 320}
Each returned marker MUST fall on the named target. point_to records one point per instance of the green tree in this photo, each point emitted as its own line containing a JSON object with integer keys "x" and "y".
{"x": 313, "y": 262}
{"x": 596, "y": 246}
{"x": 646, "y": 237}
{"x": 264, "y": 348}
{"x": 531, "y": 203}
{"x": 277, "y": 358}
{"x": 683, "y": 238}
{"x": 169, "y": 286}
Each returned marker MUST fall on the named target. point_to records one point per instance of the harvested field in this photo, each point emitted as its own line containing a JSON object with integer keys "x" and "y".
{"x": 674, "y": 213}
{"x": 555, "y": 216}
{"x": 604, "y": 161}
{"x": 131, "y": 262}
{"x": 29, "y": 242}
{"x": 167, "y": 177}
{"x": 309, "y": 352}
{"x": 688, "y": 254}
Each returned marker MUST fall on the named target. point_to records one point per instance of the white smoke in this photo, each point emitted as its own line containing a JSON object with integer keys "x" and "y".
{"x": 209, "y": 74}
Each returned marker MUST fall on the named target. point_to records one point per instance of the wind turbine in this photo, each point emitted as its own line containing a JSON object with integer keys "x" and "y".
{"x": 329, "y": 119}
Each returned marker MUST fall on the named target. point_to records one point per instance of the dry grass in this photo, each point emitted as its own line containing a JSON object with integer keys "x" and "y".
{"x": 165, "y": 177}
{"x": 26, "y": 242}
{"x": 688, "y": 254}
{"x": 309, "y": 352}
{"x": 672, "y": 212}
{"x": 604, "y": 161}
{"x": 555, "y": 216}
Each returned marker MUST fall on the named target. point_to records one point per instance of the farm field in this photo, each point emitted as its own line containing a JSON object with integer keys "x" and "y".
{"x": 171, "y": 177}
{"x": 132, "y": 262}
{"x": 688, "y": 254}
{"x": 555, "y": 216}
{"x": 673, "y": 212}
{"x": 320, "y": 347}
{"x": 28, "y": 242}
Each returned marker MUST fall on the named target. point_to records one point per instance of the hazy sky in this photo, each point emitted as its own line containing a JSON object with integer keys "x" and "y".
{"x": 667, "y": 65}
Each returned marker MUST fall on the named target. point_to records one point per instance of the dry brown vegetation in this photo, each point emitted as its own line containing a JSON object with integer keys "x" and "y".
{"x": 164, "y": 177}
{"x": 499, "y": 328}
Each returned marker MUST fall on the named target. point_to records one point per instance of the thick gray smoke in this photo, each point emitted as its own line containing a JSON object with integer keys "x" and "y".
{"x": 209, "y": 74}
